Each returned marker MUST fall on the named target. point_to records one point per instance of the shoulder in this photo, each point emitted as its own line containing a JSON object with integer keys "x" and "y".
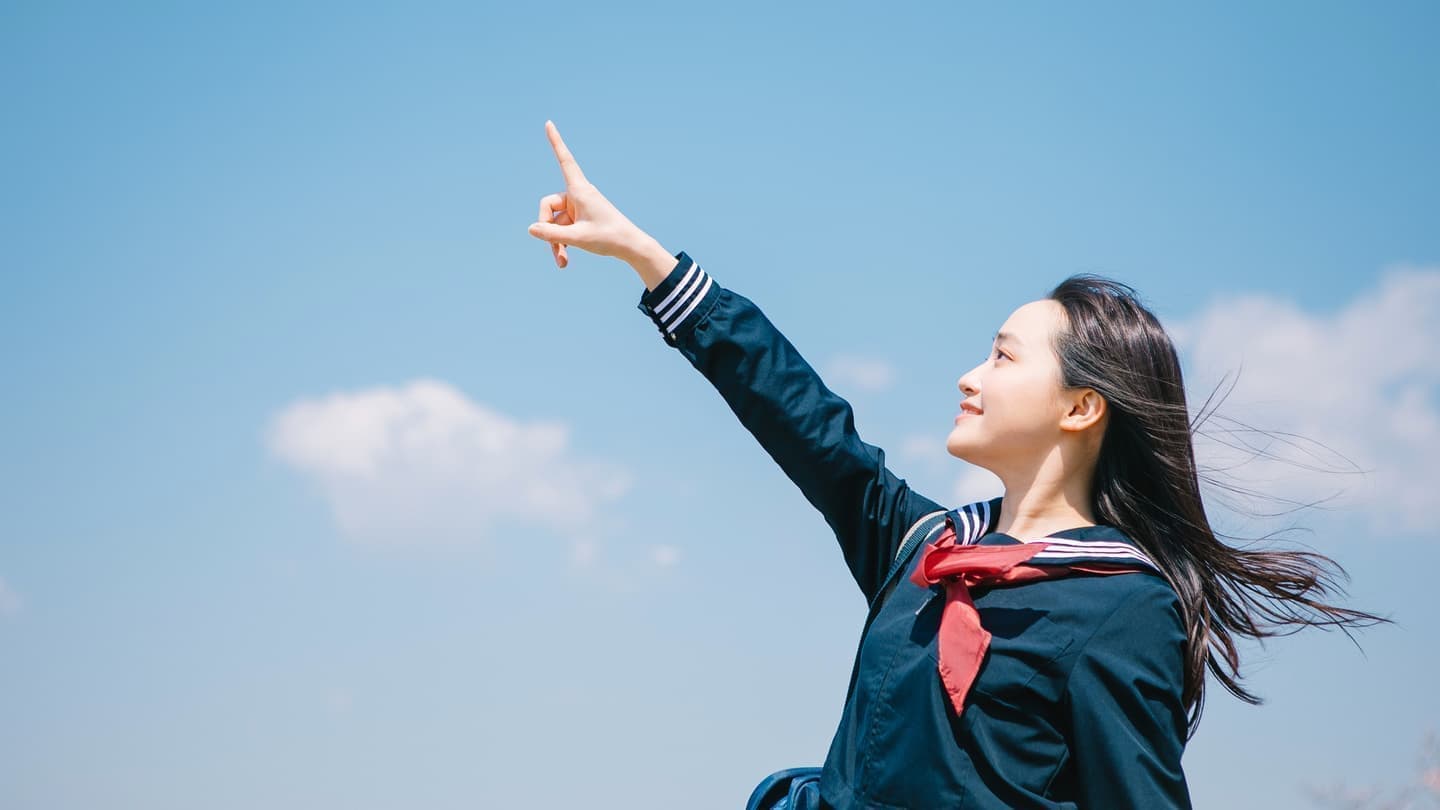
{"x": 1148, "y": 594}
{"x": 1144, "y": 596}
{"x": 1148, "y": 587}
{"x": 1135, "y": 625}
{"x": 1112, "y": 608}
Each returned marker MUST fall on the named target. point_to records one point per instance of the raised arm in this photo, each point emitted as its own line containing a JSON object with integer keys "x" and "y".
{"x": 803, "y": 425}
{"x": 806, "y": 428}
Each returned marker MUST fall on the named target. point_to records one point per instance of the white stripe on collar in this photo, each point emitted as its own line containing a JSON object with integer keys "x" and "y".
{"x": 975, "y": 523}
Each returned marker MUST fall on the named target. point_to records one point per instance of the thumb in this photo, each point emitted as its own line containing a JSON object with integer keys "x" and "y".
{"x": 548, "y": 232}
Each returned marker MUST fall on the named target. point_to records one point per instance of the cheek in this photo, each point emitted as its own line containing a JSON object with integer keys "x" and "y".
{"x": 1024, "y": 403}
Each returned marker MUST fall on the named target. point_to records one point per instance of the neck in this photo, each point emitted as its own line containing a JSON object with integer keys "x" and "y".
{"x": 1045, "y": 500}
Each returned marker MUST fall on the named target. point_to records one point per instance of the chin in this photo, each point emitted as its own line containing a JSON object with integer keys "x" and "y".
{"x": 959, "y": 449}
{"x": 966, "y": 451}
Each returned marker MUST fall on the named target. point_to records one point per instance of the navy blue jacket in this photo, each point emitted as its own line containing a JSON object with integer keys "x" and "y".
{"x": 1078, "y": 703}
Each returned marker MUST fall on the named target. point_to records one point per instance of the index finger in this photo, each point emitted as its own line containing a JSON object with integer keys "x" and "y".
{"x": 568, "y": 167}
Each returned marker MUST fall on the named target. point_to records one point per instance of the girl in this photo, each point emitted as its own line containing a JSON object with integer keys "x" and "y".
{"x": 1044, "y": 649}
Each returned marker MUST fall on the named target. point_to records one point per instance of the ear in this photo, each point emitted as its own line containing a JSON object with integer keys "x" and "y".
{"x": 1085, "y": 408}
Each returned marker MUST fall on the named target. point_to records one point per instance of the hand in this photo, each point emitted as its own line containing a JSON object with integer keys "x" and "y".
{"x": 581, "y": 216}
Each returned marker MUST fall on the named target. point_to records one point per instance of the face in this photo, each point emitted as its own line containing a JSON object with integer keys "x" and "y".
{"x": 1012, "y": 407}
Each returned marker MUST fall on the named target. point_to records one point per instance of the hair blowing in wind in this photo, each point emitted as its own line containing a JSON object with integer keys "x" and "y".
{"x": 1147, "y": 484}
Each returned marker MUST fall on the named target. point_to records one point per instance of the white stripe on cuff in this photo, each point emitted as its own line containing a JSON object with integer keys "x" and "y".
{"x": 663, "y": 305}
{"x": 694, "y": 302}
{"x": 681, "y": 293}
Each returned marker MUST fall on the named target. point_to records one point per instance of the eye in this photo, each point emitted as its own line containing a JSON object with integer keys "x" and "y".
{"x": 999, "y": 355}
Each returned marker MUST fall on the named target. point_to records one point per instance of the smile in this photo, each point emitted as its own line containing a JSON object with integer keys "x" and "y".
{"x": 967, "y": 409}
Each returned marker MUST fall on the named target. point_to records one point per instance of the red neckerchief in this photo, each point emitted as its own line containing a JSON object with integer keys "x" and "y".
{"x": 962, "y": 641}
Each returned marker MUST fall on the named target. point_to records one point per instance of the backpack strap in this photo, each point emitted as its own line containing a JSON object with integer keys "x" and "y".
{"x": 916, "y": 537}
{"x": 921, "y": 531}
{"x": 796, "y": 788}
{"x": 971, "y": 522}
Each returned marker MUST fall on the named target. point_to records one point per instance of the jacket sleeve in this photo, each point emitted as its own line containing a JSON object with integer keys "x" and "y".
{"x": 1125, "y": 705}
{"x": 805, "y": 427}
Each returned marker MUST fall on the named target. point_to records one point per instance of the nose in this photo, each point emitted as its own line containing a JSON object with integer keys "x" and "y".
{"x": 967, "y": 384}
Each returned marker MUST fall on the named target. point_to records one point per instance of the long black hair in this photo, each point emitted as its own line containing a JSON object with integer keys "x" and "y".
{"x": 1147, "y": 485}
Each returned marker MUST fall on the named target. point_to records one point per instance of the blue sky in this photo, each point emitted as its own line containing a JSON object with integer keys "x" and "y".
{"x": 322, "y": 486}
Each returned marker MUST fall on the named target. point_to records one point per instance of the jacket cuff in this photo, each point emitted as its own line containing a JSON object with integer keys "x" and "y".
{"x": 679, "y": 301}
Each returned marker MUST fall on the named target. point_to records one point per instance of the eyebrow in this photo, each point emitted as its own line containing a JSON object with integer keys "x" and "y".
{"x": 999, "y": 336}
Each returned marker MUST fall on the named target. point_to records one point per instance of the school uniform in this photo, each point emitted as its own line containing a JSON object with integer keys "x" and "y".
{"x": 1078, "y": 700}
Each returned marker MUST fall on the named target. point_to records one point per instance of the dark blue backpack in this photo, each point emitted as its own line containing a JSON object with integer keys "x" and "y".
{"x": 790, "y": 789}
{"x": 799, "y": 788}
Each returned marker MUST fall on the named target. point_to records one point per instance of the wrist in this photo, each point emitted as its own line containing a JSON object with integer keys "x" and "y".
{"x": 651, "y": 261}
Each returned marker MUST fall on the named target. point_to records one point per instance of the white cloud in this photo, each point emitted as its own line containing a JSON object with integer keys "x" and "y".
{"x": 422, "y": 463}
{"x": 584, "y": 551}
{"x": 665, "y": 556}
{"x": 1361, "y": 381}
{"x": 859, "y": 372}
{"x": 1357, "y": 388}
{"x": 10, "y": 601}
